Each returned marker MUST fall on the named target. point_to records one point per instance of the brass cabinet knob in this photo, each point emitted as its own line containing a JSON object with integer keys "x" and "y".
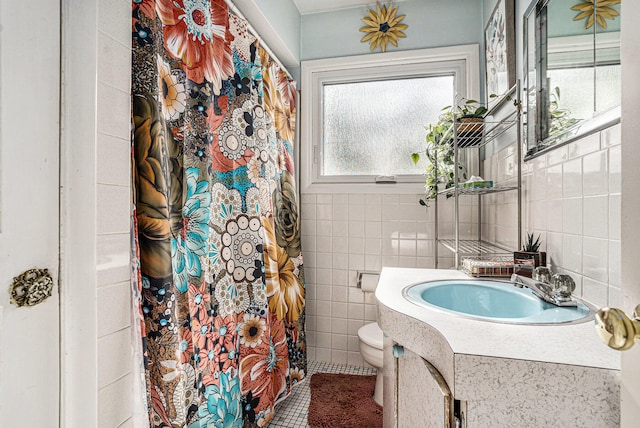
{"x": 30, "y": 288}
{"x": 616, "y": 329}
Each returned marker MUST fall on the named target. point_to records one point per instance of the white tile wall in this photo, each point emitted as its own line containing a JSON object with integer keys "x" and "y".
{"x": 114, "y": 310}
{"x": 116, "y": 403}
{"x": 114, "y": 159}
{"x": 113, "y": 259}
{"x": 113, "y": 369}
{"x": 346, "y": 233}
{"x": 571, "y": 198}
{"x": 113, "y": 107}
{"x": 113, "y": 176}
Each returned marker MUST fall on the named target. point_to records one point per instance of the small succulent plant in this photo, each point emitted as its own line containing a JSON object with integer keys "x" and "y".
{"x": 531, "y": 246}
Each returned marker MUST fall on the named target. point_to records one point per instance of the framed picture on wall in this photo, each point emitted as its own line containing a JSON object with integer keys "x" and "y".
{"x": 500, "y": 50}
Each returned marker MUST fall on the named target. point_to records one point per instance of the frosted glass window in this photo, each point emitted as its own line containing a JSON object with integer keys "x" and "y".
{"x": 577, "y": 86}
{"x": 371, "y": 128}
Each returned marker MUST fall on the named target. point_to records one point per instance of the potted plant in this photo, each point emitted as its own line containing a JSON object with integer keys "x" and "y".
{"x": 439, "y": 171}
{"x": 439, "y": 151}
{"x": 469, "y": 115}
{"x": 525, "y": 261}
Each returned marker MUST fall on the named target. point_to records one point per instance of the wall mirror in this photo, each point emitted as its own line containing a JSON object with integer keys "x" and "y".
{"x": 571, "y": 71}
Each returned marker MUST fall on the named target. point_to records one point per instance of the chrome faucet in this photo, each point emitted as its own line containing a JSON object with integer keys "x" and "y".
{"x": 554, "y": 289}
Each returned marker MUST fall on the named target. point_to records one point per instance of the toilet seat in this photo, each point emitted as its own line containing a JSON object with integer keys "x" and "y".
{"x": 371, "y": 334}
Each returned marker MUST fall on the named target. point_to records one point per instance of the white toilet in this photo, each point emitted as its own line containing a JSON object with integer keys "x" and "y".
{"x": 370, "y": 337}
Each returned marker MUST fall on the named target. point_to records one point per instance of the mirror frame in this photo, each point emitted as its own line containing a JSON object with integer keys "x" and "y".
{"x": 536, "y": 147}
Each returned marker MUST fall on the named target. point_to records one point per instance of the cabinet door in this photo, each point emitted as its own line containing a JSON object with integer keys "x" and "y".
{"x": 29, "y": 212}
{"x": 424, "y": 399}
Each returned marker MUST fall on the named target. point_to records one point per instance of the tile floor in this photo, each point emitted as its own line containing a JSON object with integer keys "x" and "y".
{"x": 292, "y": 412}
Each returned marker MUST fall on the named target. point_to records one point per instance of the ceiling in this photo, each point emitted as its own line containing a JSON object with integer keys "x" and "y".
{"x": 315, "y": 6}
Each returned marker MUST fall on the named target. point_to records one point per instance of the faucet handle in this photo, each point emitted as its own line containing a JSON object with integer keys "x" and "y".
{"x": 542, "y": 274}
{"x": 563, "y": 284}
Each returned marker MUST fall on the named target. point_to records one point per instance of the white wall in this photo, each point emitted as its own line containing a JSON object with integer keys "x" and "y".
{"x": 346, "y": 233}
{"x": 97, "y": 353}
{"x": 571, "y": 198}
{"x": 113, "y": 185}
{"x": 630, "y": 204}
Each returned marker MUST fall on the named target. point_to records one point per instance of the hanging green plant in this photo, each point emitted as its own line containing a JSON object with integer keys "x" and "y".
{"x": 439, "y": 150}
{"x": 596, "y": 11}
{"x": 383, "y": 26}
{"x": 560, "y": 118}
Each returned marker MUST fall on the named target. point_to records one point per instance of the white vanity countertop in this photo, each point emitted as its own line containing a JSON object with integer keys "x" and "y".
{"x": 575, "y": 344}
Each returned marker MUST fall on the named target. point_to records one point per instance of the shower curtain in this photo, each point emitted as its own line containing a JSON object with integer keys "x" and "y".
{"x": 220, "y": 277}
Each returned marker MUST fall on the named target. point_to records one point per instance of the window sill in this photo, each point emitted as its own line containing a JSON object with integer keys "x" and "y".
{"x": 393, "y": 188}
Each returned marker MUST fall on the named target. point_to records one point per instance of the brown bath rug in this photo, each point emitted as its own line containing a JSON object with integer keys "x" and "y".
{"x": 343, "y": 401}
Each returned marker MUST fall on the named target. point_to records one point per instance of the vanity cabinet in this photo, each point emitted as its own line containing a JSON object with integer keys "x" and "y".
{"x": 423, "y": 397}
{"x": 496, "y": 392}
{"x": 495, "y": 375}
{"x": 499, "y": 120}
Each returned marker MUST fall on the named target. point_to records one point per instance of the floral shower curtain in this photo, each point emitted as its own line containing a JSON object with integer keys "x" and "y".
{"x": 216, "y": 228}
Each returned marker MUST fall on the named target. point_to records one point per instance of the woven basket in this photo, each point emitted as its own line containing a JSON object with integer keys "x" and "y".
{"x": 473, "y": 125}
{"x": 470, "y": 131}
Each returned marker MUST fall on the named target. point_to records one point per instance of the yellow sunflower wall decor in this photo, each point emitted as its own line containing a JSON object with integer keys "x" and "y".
{"x": 596, "y": 11}
{"x": 383, "y": 26}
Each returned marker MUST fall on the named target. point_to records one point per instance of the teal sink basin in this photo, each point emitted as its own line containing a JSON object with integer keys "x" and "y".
{"x": 495, "y": 301}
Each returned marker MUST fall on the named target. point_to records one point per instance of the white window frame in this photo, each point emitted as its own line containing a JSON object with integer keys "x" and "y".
{"x": 461, "y": 61}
